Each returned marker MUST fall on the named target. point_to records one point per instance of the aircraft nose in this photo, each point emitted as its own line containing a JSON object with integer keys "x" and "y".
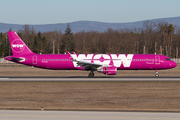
{"x": 173, "y": 64}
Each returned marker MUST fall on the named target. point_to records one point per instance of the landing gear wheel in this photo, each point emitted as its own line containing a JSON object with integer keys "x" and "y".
{"x": 91, "y": 74}
{"x": 157, "y": 75}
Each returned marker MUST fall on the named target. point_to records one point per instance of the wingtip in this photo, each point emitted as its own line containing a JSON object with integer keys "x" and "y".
{"x": 68, "y": 53}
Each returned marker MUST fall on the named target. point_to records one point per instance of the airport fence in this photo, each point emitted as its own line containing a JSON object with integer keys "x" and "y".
{"x": 2, "y": 60}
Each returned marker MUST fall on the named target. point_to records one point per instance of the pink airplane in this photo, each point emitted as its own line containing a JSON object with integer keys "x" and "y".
{"x": 107, "y": 64}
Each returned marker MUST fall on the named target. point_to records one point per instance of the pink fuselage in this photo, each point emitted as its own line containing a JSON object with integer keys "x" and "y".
{"x": 64, "y": 61}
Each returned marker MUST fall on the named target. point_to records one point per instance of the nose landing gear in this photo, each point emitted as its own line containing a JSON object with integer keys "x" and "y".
{"x": 156, "y": 74}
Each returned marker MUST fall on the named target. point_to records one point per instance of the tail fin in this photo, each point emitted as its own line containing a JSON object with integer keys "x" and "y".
{"x": 17, "y": 45}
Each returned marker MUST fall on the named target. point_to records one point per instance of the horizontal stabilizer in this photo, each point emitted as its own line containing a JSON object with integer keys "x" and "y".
{"x": 19, "y": 59}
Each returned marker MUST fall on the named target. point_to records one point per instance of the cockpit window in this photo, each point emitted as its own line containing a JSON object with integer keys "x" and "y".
{"x": 166, "y": 59}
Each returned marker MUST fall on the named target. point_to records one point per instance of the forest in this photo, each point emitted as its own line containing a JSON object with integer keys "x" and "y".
{"x": 160, "y": 38}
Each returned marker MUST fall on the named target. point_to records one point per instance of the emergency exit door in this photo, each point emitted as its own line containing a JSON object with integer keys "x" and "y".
{"x": 34, "y": 59}
{"x": 157, "y": 59}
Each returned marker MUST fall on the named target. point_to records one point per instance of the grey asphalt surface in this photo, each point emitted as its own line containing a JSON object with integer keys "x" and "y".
{"x": 37, "y": 79}
{"x": 85, "y": 115}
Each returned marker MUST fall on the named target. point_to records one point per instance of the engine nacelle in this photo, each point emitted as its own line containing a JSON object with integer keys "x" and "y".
{"x": 108, "y": 70}
{"x": 111, "y": 70}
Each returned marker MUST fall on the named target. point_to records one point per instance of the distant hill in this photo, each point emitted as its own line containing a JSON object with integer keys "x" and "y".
{"x": 87, "y": 25}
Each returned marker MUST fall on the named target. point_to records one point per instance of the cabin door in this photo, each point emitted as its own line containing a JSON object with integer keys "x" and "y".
{"x": 34, "y": 59}
{"x": 157, "y": 59}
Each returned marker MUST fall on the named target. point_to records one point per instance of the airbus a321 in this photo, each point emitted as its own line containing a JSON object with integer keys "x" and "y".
{"x": 107, "y": 64}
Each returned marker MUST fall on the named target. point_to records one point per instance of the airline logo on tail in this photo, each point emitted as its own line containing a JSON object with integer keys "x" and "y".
{"x": 17, "y": 46}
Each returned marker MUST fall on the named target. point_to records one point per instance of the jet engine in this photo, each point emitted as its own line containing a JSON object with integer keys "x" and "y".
{"x": 108, "y": 70}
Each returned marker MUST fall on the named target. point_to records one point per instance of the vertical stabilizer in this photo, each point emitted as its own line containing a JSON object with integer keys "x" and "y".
{"x": 17, "y": 45}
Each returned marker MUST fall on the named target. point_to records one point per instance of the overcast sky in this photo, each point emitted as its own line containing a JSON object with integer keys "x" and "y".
{"x": 64, "y": 11}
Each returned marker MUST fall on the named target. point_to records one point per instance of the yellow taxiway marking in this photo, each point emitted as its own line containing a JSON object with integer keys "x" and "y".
{"x": 89, "y": 117}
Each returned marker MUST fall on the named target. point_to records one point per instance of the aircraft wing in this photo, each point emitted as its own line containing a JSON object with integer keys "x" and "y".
{"x": 86, "y": 65}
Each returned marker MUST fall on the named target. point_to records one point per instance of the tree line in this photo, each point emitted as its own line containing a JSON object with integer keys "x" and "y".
{"x": 160, "y": 38}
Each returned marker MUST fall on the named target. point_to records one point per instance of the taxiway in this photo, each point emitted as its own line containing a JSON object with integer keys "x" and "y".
{"x": 43, "y": 79}
{"x": 85, "y": 115}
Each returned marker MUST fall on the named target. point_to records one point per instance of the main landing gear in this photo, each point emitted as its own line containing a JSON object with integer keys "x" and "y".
{"x": 91, "y": 74}
{"x": 156, "y": 74}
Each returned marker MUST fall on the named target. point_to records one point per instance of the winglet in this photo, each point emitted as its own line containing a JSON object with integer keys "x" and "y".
{"x": 70, "y": 55}
{"x": 73, "y": 52}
